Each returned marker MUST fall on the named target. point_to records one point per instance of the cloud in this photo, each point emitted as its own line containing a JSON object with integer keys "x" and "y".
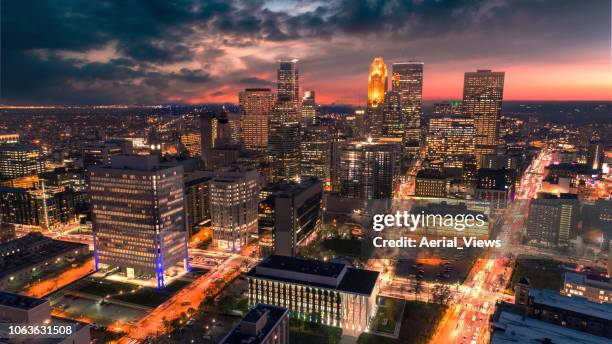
{"x": 187, "y": 49}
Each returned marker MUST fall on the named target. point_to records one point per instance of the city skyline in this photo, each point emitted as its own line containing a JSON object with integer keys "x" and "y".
{"x": 194, "y": 53}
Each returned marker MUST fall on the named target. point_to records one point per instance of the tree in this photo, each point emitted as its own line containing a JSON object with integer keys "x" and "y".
{"x": 441, "y": 294}
{"x": 417, "y": 286}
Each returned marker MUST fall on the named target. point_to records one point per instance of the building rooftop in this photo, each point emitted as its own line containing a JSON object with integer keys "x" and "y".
{"x": 292, "y": 188}
{"x": 430, "y": 174}
{"x": 266, "y": 316}
{"x": 597, "y": 281}
{"x": 301, "y": 265}
{"x": 316, "y": 273}
{"x": 580, "y": 305}
{"x": 19, "y": 301}
{"x": 359, "y": 281}
{"x": 514, "y": 328}
{"x": 34, "y": 249}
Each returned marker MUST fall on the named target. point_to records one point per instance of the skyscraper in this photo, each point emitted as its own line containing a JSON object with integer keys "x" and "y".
{"x": 288, "y": 82}
{"x": 393, "y": 118}
{"x": 284, "y": 139}
{"x": 368, "y": 170}
{"x": 309, "y": 108}
{"x": 138, "y": 216}
{"x": 377, "y": 82}
{"x": 234, "y": 197}
{"x": 483, "y": 92}
{"x": 315, "y": 151}
{"x": 450, "y": 141}
{"x": 407, "y": 80}
{"x": 255, "y": 107}
{"x": 377, "y": 87}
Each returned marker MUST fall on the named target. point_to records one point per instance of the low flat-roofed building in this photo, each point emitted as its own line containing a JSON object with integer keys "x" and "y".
{"x": 264, "y": 324}
{"x": 25, "y": 258}
{"x": 431, "y": 183}
{"x": 594, "y": 288}
{"x": 511, "y": 328}
{"x": 16, "y": 309}
{"x": 573, "y": 312}
{"x": 322, "y": 292}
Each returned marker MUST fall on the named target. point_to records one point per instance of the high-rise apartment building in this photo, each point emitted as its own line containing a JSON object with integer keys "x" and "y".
{"x": 255, "y": 108}
{"x": 309, "y": 108}
{"x": 450, "y": 141}
{"x": 483, "y": 92}
{"x": 17, "y": 160}
{"x": 234, "y": 197}
{"x": 368, "y": 170}
{"x": 407, "y": 80}
{"x": 316, "y": 152}
{"x": 138, "y": 216}
{"x": 552, "y": 220}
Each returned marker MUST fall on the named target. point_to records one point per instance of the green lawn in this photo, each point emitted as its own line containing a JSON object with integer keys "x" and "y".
{"x": 302, "y": 332}
{"x": 542, "y": 272}
{"x": 150, "y": 297}
{"x": 389, "y": 311}
{"x": 231, "y": 303}
{"x": 418, "y": 325}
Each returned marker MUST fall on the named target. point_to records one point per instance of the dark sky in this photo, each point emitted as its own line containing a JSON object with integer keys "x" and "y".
{"x": 158, "y": 51}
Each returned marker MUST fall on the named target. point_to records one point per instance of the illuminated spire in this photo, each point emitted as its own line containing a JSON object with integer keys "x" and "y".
{"x": 377, "y": 82}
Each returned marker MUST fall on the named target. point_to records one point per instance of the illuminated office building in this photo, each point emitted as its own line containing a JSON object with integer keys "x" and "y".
{"x": 41, "y": 206}
{"x": 377, "y": 82}
{"x": 99, "y": 153}
{"x": 377, "y": 88}
{"x": 309, "y": 108}
{"x": 293, "y": 212}
{"x": 495, "y": 187}
{"x": 234, "y": 197}
{"x": 450, "y": 141}
{"x": 192, "y": 142}
{"x": 483, "y": 92}
{"x": 255, "y": 108}
{"x": 208, "y": 130}
{"x": 315, "y": 291}
{"x": 367, "y": 170}
{"x": 448, "y": 109}
{"x": 393, "y": 118}
{"x": 138, "y": 216}
{"x": 9, "y": 138}
{"x": 595, "y": 288}
{"x": 430, "y": 183}
{"x": 17, "y": 160}
{"x": 407, "y": 80}
{"x": 316, "y": 151}
{"x": 284, "y": 138}
{"x": 288, "y": 82}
